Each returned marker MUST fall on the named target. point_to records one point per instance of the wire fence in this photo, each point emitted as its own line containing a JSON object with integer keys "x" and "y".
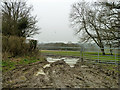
{"x": 111, "y": 55}
{"x": 85, "y": 53}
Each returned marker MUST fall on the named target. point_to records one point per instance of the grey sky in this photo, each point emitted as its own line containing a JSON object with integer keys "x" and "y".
{"x": 53, "y": 19}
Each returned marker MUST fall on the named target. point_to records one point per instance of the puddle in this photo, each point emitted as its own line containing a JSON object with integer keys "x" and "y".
{"x": 69, "y": 61}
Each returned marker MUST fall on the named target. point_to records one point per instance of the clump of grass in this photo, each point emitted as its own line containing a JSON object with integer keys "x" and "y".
{"x": 8, "y": 65}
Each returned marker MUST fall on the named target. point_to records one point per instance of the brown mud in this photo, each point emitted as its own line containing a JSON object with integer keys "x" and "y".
{"x": 60, "y": 75}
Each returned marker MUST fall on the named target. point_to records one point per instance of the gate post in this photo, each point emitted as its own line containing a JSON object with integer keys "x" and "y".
{"x": 98, "y": 55}
{"x": 115, "y": 56}
{"x": 81, "y": 54}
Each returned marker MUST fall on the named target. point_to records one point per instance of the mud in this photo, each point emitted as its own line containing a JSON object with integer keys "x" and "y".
{"x": 60, "y": 75}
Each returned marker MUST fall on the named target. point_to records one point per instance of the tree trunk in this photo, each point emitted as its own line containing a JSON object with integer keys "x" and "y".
{"x": 103, "y": 51}
{"x": 111, "y": 50}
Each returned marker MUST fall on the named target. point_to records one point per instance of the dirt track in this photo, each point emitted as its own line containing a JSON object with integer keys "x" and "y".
{"x": 60, "y": 75}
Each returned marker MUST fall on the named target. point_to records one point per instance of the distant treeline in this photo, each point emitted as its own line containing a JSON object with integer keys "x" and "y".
{"x": 59, "y": 46}
{"x": 69, "y": 46}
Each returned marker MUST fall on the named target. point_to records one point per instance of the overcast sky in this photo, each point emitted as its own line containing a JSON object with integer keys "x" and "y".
{"x": 53, "y": 19}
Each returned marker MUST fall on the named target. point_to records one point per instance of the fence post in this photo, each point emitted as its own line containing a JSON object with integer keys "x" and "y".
{"x": 81, "y": 54}
{"x": 98, "y": 55}
{"x": 115, "y": 56}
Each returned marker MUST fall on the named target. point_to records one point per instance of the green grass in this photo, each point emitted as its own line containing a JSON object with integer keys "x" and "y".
{"x": 87, "y": 55}
{"x": 10, "y": 64}
{"x": 65, "y": 53}
{"x": 100, "y": 57}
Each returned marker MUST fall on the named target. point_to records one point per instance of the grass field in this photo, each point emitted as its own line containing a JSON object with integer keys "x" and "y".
{"x": 86, "y": 55}
{"x": 12, "y": 63}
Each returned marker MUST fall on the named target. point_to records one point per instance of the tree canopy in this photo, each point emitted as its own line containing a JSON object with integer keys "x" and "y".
{"x": 17, "y": 19}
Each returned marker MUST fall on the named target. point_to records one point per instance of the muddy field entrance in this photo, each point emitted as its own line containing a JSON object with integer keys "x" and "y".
{"x": 60, "y": 73}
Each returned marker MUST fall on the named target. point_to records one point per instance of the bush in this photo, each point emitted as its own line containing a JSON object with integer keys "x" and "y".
{"x": 5, "y": 47}
{"x": 16, "y": 46}
{"x": 33, "y": 44}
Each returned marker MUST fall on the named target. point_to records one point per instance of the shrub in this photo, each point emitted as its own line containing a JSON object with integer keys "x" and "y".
{"x": 17, "y": 46}
{"x": 5, "y": 47}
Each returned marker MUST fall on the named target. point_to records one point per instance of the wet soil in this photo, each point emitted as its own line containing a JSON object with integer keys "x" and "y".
{"x": 60, "y": 75}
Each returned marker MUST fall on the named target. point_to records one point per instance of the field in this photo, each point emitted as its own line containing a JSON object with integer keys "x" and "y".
{"x": 86, "y": 55}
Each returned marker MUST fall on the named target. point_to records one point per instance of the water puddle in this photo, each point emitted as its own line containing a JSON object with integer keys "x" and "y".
{"x": 69, "y": 61}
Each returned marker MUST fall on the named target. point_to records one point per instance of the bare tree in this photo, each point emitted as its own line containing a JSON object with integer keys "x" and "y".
{"x": 109, "y": 17}
{"x": 84, "y": 19}
{"x": 98, "y": 22}
{"x": 17, "y": 19}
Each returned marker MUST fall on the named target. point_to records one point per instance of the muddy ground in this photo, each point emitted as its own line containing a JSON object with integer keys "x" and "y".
{"x": 60, "y": 75}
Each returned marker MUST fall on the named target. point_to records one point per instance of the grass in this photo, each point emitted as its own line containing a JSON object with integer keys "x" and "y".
{"x": 86, "y": 55}
{"x": 111, "y": 67}
{"x": 11, "y": 64}
{"x": 101, "y": 57}
{"x": 65, "y": 53}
